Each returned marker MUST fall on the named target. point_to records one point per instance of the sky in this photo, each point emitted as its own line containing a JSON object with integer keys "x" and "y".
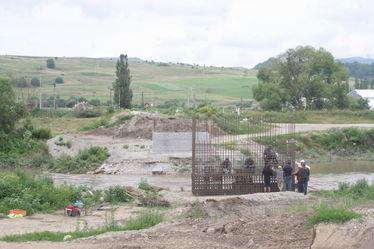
{"x": 205, "y": 32}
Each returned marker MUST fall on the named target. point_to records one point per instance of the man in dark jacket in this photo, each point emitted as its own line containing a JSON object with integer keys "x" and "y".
{"x": 287, "y": 176}
{"x": 304, "y": 177}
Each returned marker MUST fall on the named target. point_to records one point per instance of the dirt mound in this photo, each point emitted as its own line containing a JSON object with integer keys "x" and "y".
{"x": 102, "y": 131}
{"x": 357, "y": 233}
{"x": 143, "y": 126}
{"x": 236, "y": 207}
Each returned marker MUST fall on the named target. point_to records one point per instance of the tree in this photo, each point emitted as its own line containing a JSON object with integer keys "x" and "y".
{"x": 21, "y": 82}
{"x": 59, "y": 80}
{"x": 35, "y": 82}
{"x": 51, "y": 63}
{"x": 122, "y": 92}
{"x": 10, "y": 111}
{"x": 307, "y": 77}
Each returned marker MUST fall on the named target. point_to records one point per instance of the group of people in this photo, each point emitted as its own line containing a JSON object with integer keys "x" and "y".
{"x": 284, "y": 173}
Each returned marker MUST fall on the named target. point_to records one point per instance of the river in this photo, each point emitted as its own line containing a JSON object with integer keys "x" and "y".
{"x": 323, "y": 176}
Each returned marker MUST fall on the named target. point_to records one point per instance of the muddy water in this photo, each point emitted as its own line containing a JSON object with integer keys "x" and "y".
{"x": 323, "y": 176}
{"x": 174, "y": 183}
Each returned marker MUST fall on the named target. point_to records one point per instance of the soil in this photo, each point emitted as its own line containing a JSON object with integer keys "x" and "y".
{"x": 258, "y": 221}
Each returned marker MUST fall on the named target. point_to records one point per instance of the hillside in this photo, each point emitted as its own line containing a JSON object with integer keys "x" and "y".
{"x": 92, "y": 77}
{"x": 360, "y": 60}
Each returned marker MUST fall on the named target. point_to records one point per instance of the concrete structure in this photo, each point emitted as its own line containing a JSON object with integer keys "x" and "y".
{"x": 175, "y": 141}
{"x": 364, "y": 94}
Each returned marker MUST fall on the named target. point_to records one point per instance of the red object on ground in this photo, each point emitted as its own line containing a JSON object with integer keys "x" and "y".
{"x": 18, "y": 211}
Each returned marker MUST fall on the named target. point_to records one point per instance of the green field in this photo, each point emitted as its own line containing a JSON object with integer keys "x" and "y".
{"x": 91, "y": 78}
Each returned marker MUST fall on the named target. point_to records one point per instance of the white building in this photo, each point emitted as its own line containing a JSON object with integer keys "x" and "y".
{"x": 364, "y": 94}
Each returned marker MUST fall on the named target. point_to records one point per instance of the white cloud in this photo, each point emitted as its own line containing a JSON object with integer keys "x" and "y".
{"x": 229, "y": 33}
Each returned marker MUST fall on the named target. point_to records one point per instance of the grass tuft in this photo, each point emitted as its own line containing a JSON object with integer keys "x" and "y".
{"x": 335, "y": 215}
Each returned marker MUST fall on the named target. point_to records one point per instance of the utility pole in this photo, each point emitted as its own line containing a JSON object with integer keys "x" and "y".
{"x": 54, "y": 95}
{"x": 142, "y": 103}
{"x": 193, "y": 98}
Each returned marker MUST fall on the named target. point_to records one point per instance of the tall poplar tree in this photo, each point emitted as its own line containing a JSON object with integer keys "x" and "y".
{"x": 122, "y": 92}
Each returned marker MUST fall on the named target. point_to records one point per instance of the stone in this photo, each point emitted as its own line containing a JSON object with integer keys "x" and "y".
{"x": 67, "y": 237}
{"x": 210, "y": 230}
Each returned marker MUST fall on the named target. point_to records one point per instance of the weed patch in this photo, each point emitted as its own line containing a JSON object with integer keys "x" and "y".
{"x": 87, "y": 160}
{"x": 335, "y": 215}
{"x": 146, "y": 219}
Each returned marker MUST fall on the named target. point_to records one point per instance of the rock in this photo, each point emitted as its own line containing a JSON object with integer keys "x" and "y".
{"x": 99, "y": 171}
{"x": 229, "y": 227}
{"x": 210, "y": 230}
{"x": 250, "y": 243}
{"x": 134, "y": 191}
{"x": 158, "y": 172}
{"x": 158, "y": 189}
{"x": 67, "y": 237}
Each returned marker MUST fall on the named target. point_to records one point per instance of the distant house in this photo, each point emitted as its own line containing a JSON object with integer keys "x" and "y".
{"x": 364, "y": 94}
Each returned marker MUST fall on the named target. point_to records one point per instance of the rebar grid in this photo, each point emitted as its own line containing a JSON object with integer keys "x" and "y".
{"x": 225, "y": 163}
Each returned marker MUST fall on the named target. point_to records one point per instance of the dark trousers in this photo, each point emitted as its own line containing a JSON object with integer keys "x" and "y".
{"x": 304, "y": 185}
{"x": 300, "y": 187}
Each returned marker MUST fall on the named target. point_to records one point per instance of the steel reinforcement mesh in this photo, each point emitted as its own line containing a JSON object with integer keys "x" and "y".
{"x": 225, "y": 162}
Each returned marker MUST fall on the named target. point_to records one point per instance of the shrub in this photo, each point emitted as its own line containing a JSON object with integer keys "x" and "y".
{"x": 197, "y": 210}
{"x": 110, "y": 109}
{"x": 116, "y": 194}
{"x": 144, "y": 220}
{"x": 150, "y": 199}
{"x": 86, "y": 160}
{"x": 42, "y": 133}
{"x": 336, "y": 215}
{"x": 59, "y": 80}
{"x": 95, "y": 125}
{"x": 22, "y": 190}
{"x": 88, "y": 113}
{"x": 144, "y": 185}
{"x": 51, "y": 63}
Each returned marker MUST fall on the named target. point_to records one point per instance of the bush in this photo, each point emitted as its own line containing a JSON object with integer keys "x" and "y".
{"x": 51, "y": 63}
{"x": 116, "y": 194}
{"x": 87, "y": 160}
{"x": 42, "y": 133}
{"x": 14, "y": 146}
{"x": 98, "y": 123}
{"x": 34, "y": 194}
{"x": 144, "y": 220}
{"x": 59, "y": 80}
{"x": 144, "y": 185}
{"x": 88, "y": 113}
{"x": 336, "y": 215}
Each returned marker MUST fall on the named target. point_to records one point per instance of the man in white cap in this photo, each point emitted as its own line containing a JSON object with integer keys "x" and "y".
{"x": 302, "y": 163}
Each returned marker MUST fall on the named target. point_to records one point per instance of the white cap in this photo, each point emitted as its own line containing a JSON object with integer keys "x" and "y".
{"x": 302, "y": 161}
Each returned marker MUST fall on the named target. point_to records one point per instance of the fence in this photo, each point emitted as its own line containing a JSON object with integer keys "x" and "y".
{"x": 226, "y": 162}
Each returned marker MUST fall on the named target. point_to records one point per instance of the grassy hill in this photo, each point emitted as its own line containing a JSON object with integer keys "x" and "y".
{"x": 91, "y": 78}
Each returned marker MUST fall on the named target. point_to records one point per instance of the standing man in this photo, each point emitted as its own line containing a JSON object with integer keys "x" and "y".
{"x": 267, "y": 172}
{"x": 304, "y": 177}
{"x": 287, "y": 175}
